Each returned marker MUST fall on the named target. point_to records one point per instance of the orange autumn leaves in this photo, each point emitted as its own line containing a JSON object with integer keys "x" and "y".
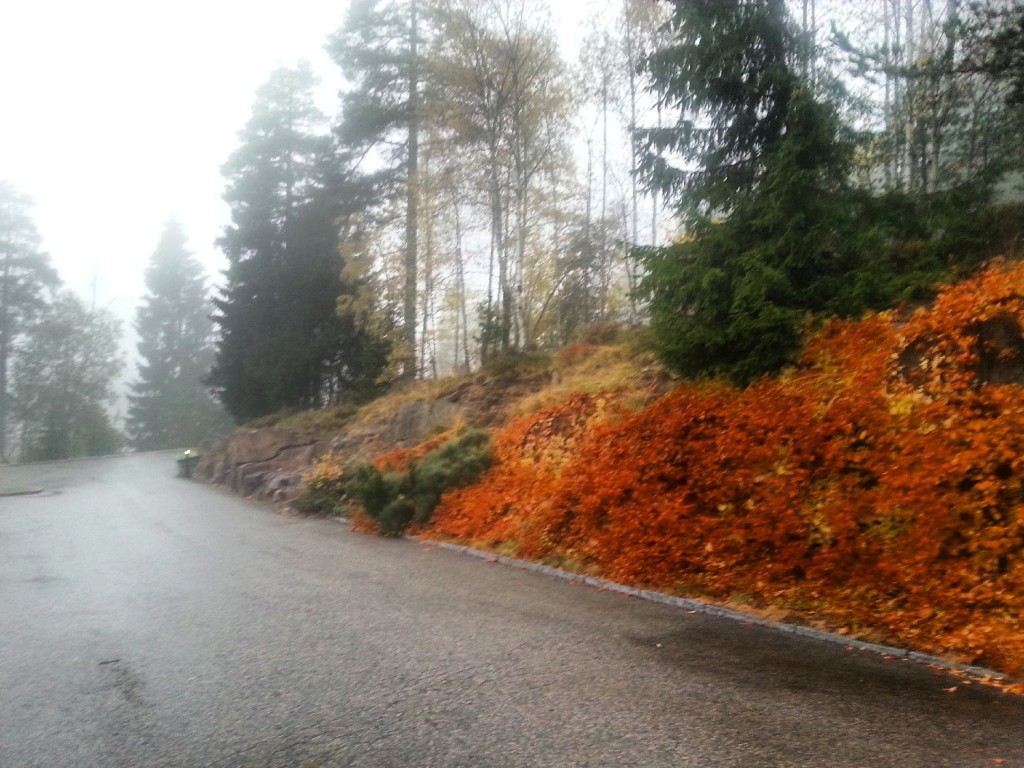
{"x": 879, "y": 483}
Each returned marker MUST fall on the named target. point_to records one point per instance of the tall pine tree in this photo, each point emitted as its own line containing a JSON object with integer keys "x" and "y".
{"x": 281, "y": 342}
{"x": 169, "y": 406}
{"x": 379, "y": 51}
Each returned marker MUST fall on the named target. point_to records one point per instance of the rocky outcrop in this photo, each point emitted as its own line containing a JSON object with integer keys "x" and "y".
{"x": 265, "y": 463}
{"x": 268, "y": 463}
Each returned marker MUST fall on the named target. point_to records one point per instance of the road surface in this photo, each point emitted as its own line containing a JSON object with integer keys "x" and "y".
{"x": 151, "y": 621}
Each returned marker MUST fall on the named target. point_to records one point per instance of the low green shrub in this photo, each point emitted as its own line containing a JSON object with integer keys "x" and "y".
{"x": 394, "y": 499}
{"x": 385, "y": 497}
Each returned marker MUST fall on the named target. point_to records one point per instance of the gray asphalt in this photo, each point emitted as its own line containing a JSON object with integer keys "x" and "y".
{"x": 151, "y": 621}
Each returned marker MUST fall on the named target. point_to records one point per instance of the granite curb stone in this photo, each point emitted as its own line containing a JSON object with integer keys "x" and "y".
{"x": 698, "y": 606}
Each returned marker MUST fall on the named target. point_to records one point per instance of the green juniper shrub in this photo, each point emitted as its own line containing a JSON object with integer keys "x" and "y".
{"x": 455, "y": 464}
{"x": 385, "y": 497}
{"x": 395, "y": 499}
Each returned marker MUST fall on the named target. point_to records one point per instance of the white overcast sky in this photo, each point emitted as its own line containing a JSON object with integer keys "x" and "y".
{"x": 117, "y": 114}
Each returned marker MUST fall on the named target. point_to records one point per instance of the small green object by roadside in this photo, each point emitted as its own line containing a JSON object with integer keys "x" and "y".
{"x": 187, "y": 463}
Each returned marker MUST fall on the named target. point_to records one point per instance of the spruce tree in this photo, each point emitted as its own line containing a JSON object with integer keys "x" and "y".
{"x": 281, "y": 342}
{"x": 379, "y": 51}
{"x": 761, "y": 188}
{"x": 169, "y": 406}
{"x": 729, "y": 72}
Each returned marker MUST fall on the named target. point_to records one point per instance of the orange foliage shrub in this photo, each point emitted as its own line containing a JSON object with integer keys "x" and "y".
{"x": 530, "y": 455}
{"x": 881, "y": 483}
{"x": 400, "y": 459}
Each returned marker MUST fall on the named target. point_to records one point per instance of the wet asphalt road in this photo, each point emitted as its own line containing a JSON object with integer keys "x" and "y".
{"x": 151, "y": 621}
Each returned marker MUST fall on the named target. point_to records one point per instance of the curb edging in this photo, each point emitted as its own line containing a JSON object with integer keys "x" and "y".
{"x": 698, "y": 606}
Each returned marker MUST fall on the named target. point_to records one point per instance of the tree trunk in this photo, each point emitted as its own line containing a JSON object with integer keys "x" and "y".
{"x": 897, "y": 128}
{"x": 428, "y": 273}
{"x": 5, "y": 346}
{"x": 460, "y": 276}
{"x": 519, "y": 305}
{"x": 411, "y": 212}
{"x": 603, "y": 252}
{"x": 3, "y": 394}
{"x": 889, "y": 163}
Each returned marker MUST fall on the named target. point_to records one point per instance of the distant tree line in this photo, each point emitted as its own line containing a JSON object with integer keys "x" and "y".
{"x": 58, "y": 357}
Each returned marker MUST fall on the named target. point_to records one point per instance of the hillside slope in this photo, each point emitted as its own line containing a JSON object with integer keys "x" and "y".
{"x": 267, "y": 459}
{"x": 878, "y": 486}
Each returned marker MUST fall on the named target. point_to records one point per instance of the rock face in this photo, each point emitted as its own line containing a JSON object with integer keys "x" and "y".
{"x": 265, "y": 463}
{"x": 269, "y": 463}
